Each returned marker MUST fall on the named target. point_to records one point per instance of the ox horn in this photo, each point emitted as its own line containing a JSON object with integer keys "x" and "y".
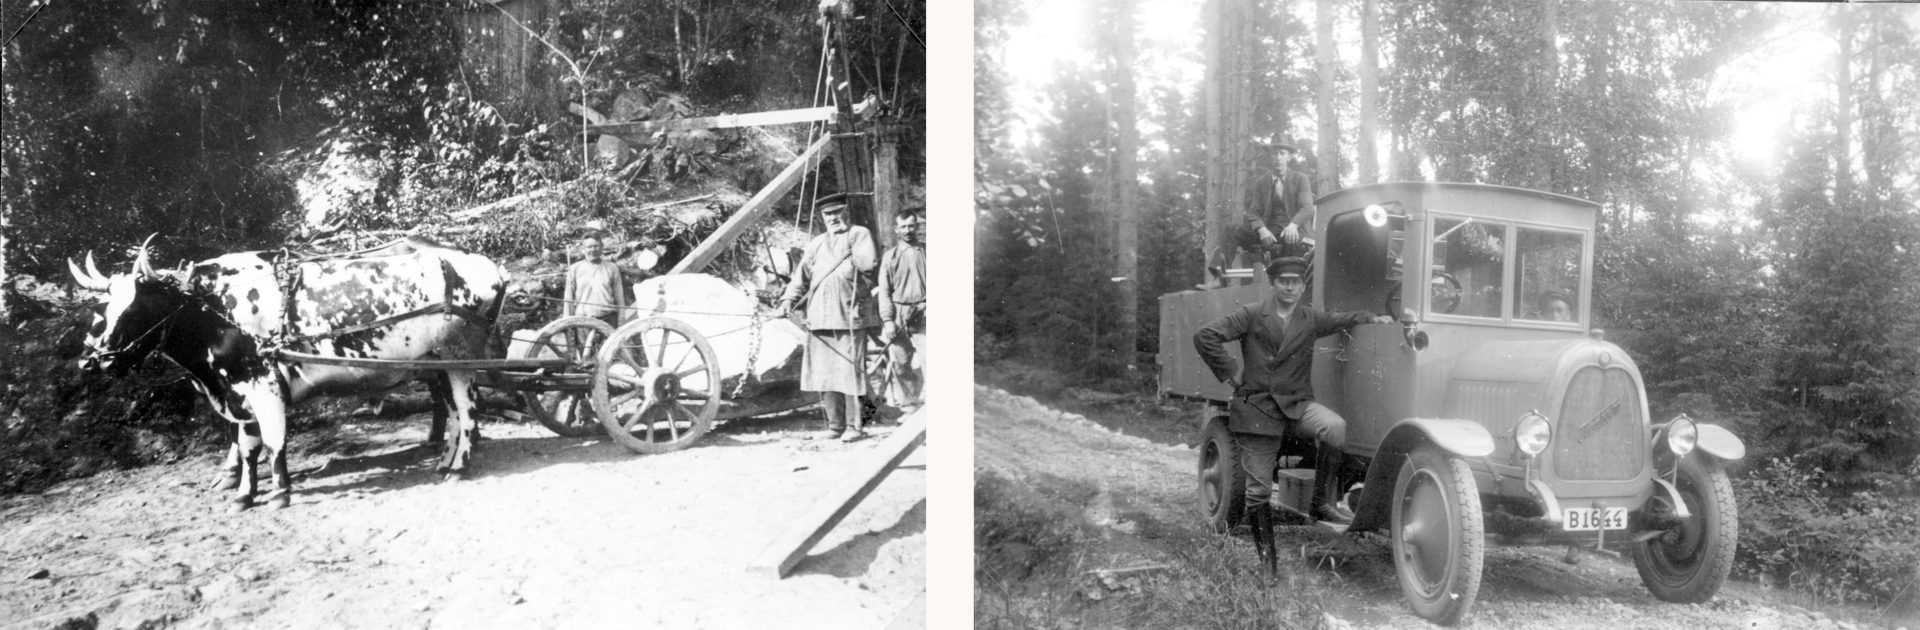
{"x": 91, "y": 282}
{"x": 141, "y": 265}
{"x": 94, "y": 270}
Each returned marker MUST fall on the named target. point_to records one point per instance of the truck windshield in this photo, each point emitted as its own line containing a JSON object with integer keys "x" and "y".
{"x": 1547, "y": 271}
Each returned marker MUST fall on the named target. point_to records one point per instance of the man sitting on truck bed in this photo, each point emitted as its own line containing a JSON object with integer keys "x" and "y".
{"x": 1278, "y": 213}
{"x": 1274, "y": 392}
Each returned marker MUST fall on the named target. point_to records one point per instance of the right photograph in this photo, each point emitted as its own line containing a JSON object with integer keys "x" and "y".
{"x": 1498, "y": 314}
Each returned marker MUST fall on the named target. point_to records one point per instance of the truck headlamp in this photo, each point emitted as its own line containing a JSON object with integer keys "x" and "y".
{"x": 1682, "y": 435}
{"x": 1533, "y": 434}
{"x": 1375, "y": 215}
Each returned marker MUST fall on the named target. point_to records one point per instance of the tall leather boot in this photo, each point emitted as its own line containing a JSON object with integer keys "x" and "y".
{"x": 1260, "y": 517}
{"x": 1326, "y": 487}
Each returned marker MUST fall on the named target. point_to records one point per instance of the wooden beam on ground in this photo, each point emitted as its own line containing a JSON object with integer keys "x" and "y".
{"x": 790, "y": 546}
{"x": 639, "y": 131}
{"x": 755, "y": 208}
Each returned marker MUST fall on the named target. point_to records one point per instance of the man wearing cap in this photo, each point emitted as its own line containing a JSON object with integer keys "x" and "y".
{"x": 1279, "y": 212}
{"x": 1273, "y": 391}
{"x": 903, "y": 309}
{"x": 1555, "y": 306}
{"x": 827, "y": 285}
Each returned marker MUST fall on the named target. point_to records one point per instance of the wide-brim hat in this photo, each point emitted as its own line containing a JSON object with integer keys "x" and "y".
{"x": 1289, "y": 267}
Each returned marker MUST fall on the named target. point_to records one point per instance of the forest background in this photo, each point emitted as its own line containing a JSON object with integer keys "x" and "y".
{"x": 1756, "y": 164}
{"x": 232, "y": 125}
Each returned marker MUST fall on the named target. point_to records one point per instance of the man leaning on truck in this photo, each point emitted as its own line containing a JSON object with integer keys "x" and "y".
{"x": 1274, "y": 392}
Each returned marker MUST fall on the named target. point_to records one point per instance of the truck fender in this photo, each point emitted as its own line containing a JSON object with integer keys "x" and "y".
{"x": 1462, "y": 438}
{"x": 1717, "y": 441}
{"x": 1673, "y": 497}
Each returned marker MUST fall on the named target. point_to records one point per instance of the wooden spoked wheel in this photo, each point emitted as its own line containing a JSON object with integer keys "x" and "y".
{"x": 656, "y": 386}
{"x": 567, "y": 410}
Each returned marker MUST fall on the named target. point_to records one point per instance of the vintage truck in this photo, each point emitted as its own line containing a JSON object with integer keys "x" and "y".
{"x": 1493, "y": 411}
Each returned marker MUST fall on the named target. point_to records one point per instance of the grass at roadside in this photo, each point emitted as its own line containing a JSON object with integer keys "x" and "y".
{"x": 1218, "y": 583}
{"x": 1032, "y": 570}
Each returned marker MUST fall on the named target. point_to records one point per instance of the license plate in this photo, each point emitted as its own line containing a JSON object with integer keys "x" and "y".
{"x": 1594, "y": 519}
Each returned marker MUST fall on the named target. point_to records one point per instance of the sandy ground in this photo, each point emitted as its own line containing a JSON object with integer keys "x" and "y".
{"x": 1141, "y": 494}
{"x": 548, "y": 533}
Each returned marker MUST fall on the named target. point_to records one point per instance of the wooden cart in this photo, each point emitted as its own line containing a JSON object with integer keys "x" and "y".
{"x": 654, "y": 384}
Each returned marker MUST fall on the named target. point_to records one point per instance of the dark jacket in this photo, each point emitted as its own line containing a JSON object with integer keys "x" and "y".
{"x": 1275, "y": 210}
{"x": 1279, "y": 358}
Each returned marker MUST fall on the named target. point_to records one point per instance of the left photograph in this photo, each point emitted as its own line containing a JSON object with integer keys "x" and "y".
{"x": 463, "y": 313}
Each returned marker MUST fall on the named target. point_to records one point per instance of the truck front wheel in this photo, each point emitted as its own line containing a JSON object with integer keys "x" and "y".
{"x": 1439, "y": 540}
{"x": 1689, "y": 562}
{"x": 1222, "y": 484}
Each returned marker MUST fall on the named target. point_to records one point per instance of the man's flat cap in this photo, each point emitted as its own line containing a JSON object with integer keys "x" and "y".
{"x": 1289, "y": 267}
{"x": 1274, "y": 147}
{"x": 836, "y": 202}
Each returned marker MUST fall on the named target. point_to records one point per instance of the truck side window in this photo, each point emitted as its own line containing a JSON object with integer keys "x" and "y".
{"x": 1548, "y": 273}
{"x": 1469, "y": 257}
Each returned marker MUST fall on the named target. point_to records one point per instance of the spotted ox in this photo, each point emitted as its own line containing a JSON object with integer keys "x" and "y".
{"x": 223, "y": 319}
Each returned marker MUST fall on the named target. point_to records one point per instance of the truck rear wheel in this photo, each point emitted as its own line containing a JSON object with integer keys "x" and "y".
{"x": 1689, "y": 563}
{"x": 1439, "y": 541}
{"x": 1222, "y": 483}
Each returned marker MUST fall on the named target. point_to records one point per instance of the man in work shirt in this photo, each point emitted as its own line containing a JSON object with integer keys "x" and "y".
{"x": 903, "y": 310}
{"x": 827, "y": 285}
{"x": 1273, "y": 392}
{"x": 595, "y": 285}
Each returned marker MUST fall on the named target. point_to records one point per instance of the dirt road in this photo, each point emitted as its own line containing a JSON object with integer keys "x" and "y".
{"x": 548, "y": 533}
{"x": 1140, "y": 496}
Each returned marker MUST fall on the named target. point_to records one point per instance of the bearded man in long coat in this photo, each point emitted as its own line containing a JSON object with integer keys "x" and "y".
{"x": 830, "y": 284}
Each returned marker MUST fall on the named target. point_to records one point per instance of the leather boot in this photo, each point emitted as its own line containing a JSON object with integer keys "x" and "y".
{"x": 1326, "y": 487}
{"x": 1261, "y": 518}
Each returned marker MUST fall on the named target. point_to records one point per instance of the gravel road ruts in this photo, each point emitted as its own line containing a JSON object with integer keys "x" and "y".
{"x": 547, "y": 533}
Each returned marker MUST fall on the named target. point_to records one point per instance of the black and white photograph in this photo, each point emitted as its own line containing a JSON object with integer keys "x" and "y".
{"x": 1414, "y": 313}
{"x": 464, "y": 314}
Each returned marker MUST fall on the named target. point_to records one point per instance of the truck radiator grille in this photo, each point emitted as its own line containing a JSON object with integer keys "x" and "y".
{"x": 1600, "y": 434}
